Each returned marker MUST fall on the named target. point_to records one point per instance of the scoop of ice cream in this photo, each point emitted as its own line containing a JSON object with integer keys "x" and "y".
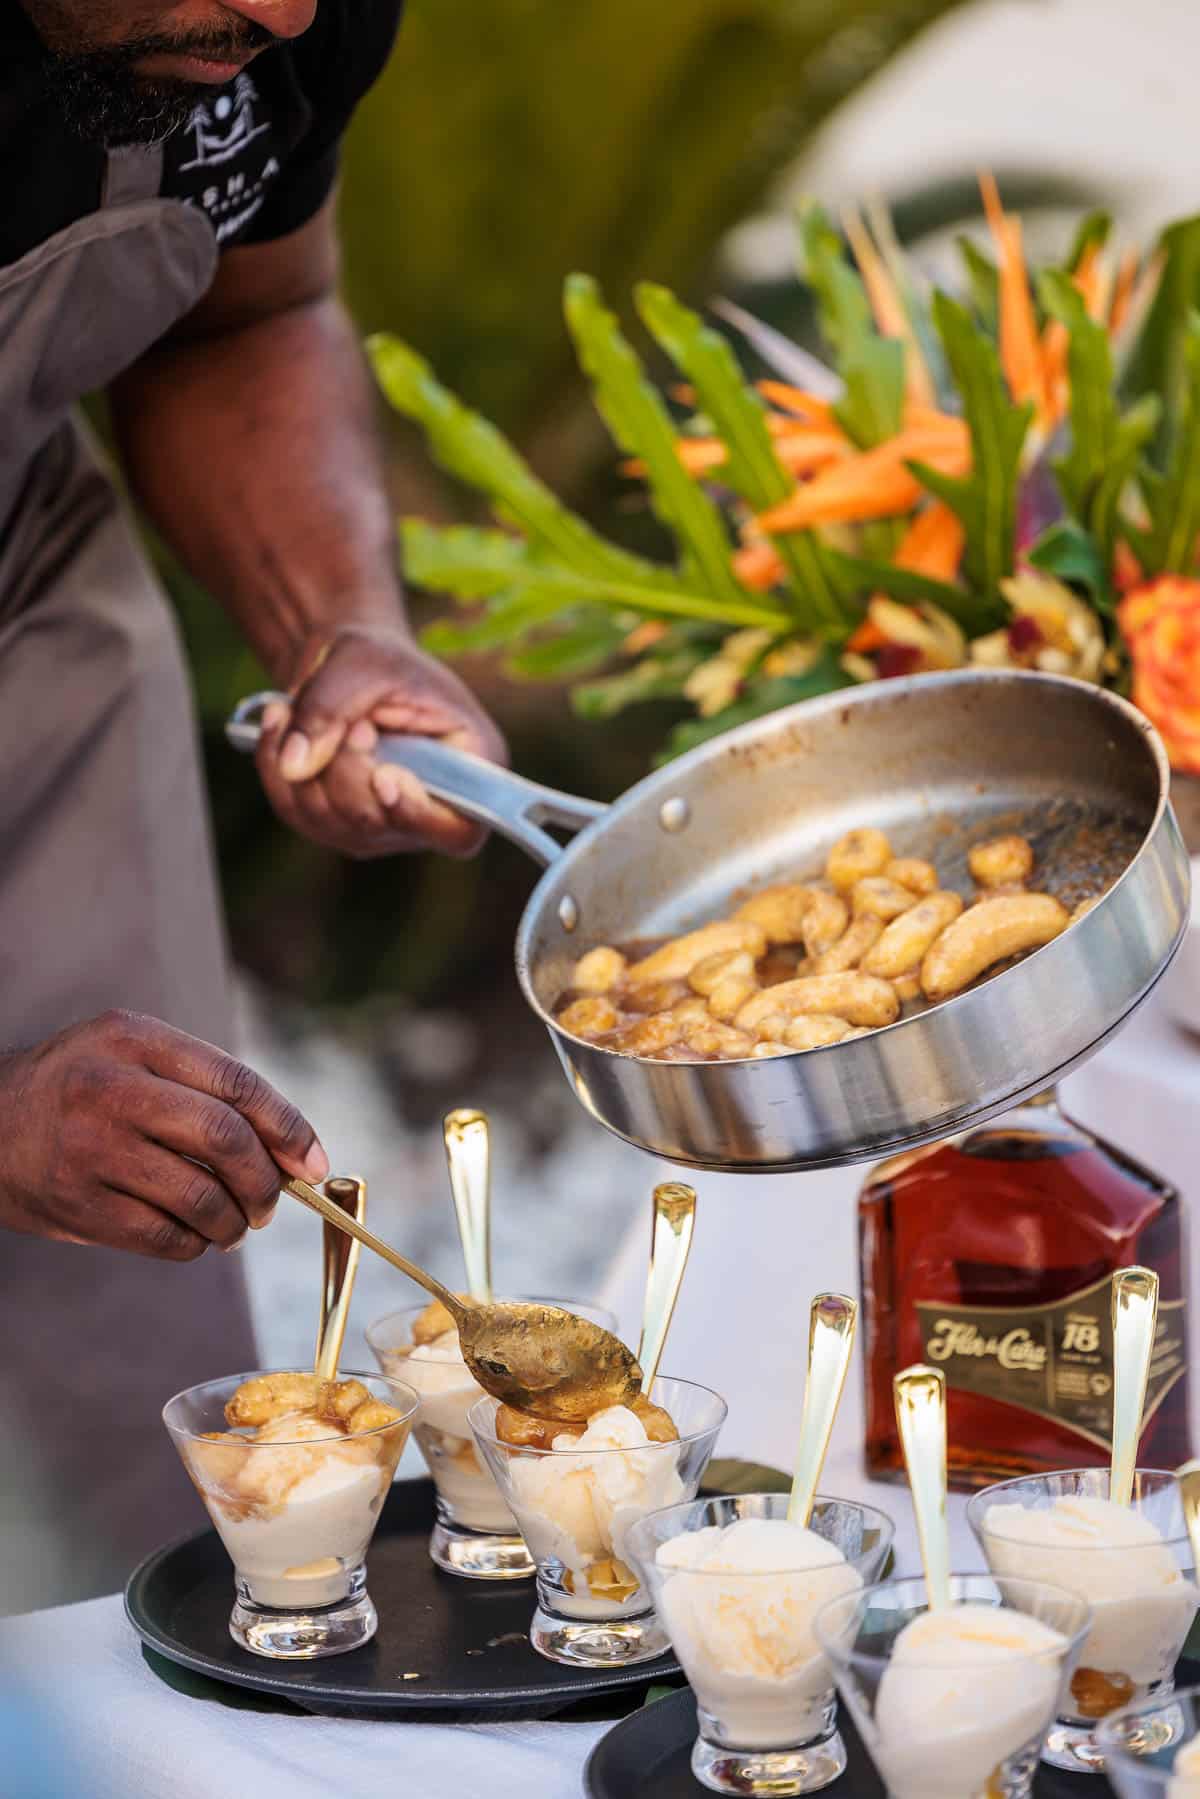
{"x": 1185, "y": 1775}
{"x": 1143, "y": 1607}
{"x": 579, "y": 1504}
{"x": 268, "y": 1474}
{"x": 438, "y": 1366}
{"x": 965, "y": 1688}
{"x": 745, "y": 1624}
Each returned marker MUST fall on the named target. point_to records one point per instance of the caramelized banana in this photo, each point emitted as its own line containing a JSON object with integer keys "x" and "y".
{"x": 881, "y": 898}
{"x": 911, "y": 872}
{"x": 779, "y": 911}
{"x": 270, "y": 1396}
{"x": 708, "y": 975}
{"x": 907, "y": 938}
{"x": 432, "y": 1323}
{"x": 657, "y": 1422}
{"x": 676, "y": 960}
{"x": 599, "y": 971}
{"x": 591, "y": 1017}
{"x": 814, "y": 1030}
{"x": 857, "y": 998}
{"x": 372, "y": 1414}
{"x": 849, "y": 950}
{"x": 857, "y": 855}
{"x": 986, "y": 934}
{"x": 524, "y": 1431}
{"x": 824, "y": 923}
{"x": 1000, "y": 861}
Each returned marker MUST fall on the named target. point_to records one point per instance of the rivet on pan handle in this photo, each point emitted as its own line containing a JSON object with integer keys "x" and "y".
{"x": 479, "y": 789}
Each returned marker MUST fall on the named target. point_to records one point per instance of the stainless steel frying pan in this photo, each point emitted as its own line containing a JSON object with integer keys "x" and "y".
{"x": 938, "y": 761}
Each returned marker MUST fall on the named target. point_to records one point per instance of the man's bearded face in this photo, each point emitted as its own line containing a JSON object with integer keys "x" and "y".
{"x": 131, "y": 71}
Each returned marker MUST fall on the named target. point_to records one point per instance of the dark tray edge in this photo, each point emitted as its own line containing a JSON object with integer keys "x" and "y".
{"x": 274, "y": 1677}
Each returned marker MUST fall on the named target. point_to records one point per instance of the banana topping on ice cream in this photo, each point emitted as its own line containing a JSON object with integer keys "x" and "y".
{"x": 576, "y": 1503}
{"x": 297, "y": 1481}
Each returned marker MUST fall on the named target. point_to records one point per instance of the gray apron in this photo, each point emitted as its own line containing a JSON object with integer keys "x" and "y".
{"x": 107, "y": 893}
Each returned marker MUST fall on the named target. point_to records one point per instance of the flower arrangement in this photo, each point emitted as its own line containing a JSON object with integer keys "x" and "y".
{"x": 1009, "y": 477}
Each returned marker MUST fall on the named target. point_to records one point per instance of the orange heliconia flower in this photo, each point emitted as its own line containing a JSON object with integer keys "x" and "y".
{"x": 1161, "y": 623}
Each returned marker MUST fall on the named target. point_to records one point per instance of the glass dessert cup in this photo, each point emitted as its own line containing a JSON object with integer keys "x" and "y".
{"x": 1152, "y": 1749}
{"x": 961, "y": 1719}
{"x": 1141, "y": 1590}
{"x": 576, "y": 1507}
{"x": 742, "y": 1631}
{"x": 296, "y": 1512}
{"x": 475, "y": 1534}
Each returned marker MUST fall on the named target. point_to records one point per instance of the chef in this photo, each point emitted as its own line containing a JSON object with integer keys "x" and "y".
{"x": 167, "y": 235}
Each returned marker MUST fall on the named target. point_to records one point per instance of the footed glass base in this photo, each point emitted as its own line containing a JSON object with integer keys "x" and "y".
{"x": 597, "y": 1642}
{"x": 1074, "y": 1746}
{"x": 304, "y": 1634}
{"x": 769, "y": 1771}
{"x": 479, "y": 1554}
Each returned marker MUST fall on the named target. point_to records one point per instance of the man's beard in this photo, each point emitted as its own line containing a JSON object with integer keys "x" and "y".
{"x": 104, "y": 99}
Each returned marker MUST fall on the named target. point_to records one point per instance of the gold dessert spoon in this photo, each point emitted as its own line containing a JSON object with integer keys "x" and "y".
{"x": 468, "y": 1157}
{"x": 1134, "y": 1317}
{"x": 536, "y": 1358}
{"x": 1189, "y": 1491}
{"x": 339, "y": 1266}
{"x": 670, "y": 1242}
{"x": 920, "y": 1395}
{"x": 832, "y": 1321}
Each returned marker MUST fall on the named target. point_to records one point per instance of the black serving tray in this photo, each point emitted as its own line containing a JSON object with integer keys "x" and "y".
{"x": 649, "y": 1756}
{"x": 462, "y": 1644}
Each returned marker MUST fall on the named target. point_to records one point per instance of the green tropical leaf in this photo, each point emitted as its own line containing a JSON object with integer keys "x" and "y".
{"x": 462, "y": 560}
{"x": 1172, "y": 496}
{"x": 466, "y": 445}
{"x": 731, "y": 406}
{"x": 1092, "y": 232}
{"x": 654, "y": 678}
{"x": 729, "y": 1475}
{"x": 1073, "y": 555}
{"x": 642, "y": 426}
{"x": 1157, "y": 360}
{"x": 508, "y": 618}
{"x": 983, "y": 283}
{"x": 576, "y": 650}
{"x": 1105, "y": 446}
{"x": 824, "y": 676}
{"x": 872, "y": 408}
{"x": 976, "y": 613}
{"x": 985, "y": 500}
{"x": 871, "y": 367}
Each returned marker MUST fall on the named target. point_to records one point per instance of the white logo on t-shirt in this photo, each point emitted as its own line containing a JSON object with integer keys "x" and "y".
{"x": 223, "y": 127}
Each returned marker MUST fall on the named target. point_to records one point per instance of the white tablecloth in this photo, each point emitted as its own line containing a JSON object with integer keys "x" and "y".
{"x": 76, "y": 1678}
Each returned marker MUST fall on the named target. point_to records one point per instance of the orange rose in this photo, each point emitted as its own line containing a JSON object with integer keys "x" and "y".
{"x": 1161, "y": 623}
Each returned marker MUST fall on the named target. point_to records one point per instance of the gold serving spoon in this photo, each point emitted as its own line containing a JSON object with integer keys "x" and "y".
{"x": 1134, "y": 1316}
{"x": 671, "y": 1229}
{"x": 920, "y": 1395}
{"x": 536, "y": 1358}
{"x": 832, "y": 1320}
{"x": 339, "y": 1267}
{"x": 468, "y": 1157}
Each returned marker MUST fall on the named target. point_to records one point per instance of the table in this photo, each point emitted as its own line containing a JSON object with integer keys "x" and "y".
{"x": 75, "y": 1681}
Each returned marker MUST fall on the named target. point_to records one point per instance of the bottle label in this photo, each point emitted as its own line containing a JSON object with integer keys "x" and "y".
{"x": 1055, "y": 1360}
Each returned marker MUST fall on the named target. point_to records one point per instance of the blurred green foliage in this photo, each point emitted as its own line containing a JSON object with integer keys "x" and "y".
{"x": 512, "y": 142}
{"x": 507, "y": 144}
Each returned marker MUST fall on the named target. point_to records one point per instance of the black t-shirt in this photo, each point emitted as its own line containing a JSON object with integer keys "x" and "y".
{"x": 259, "y": 156}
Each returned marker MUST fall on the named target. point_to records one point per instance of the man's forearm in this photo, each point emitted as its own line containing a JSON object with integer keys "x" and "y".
{"x": 254, "y": 453}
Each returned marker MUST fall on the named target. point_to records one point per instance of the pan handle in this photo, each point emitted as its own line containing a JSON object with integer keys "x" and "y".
{"x": 510, "y": 804}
